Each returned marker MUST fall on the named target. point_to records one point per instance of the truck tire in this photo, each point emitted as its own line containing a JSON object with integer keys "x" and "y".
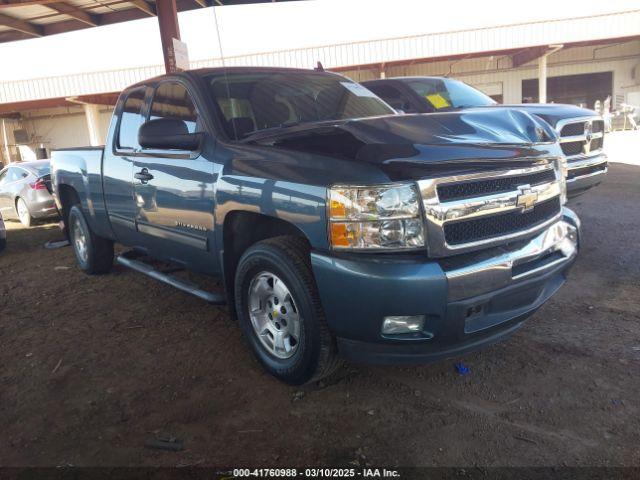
{"x": 94, "y": 253}
{"x": 280, "y": 313}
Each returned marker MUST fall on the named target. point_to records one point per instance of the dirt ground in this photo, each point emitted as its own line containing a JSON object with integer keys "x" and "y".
{"x": 93, "y": 367}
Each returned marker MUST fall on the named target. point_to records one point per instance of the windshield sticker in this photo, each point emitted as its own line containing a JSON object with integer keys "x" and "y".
{"x": 358, "y": 89}
{"x": 437, "y": 100}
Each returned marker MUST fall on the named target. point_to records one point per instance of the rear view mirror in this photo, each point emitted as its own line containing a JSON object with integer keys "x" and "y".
{"x": 168, "y": 134}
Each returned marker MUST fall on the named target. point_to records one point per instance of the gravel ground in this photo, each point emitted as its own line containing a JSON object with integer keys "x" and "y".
{"x": 94, "y": 367}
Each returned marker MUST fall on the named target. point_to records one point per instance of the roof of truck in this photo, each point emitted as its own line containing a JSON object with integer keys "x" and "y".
{"x": 208, "y": 71}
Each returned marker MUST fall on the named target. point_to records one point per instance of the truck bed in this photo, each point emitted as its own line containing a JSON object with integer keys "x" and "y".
{"x": 80, "y": 168}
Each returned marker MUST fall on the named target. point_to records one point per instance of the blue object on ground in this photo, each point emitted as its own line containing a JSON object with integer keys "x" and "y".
{"x": 461, "y": 368}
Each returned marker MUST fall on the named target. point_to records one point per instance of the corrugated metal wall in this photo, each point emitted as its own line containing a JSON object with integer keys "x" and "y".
{"x": 360, "y": 53}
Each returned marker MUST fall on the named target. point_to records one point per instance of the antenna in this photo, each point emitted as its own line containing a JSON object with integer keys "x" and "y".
{"x": 224, "y": 68}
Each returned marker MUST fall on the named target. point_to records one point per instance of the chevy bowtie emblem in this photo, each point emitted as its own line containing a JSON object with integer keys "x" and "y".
{"x": 527, "y": 198}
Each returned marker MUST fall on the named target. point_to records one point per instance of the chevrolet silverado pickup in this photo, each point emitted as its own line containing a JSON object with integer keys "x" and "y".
{"x": 581, "y": 130}
{"x": 339, "y": 228}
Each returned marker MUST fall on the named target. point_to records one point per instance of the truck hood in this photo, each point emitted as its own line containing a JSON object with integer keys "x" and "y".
{"x": 551, "y": 113}
{"x": 474, "y": 126}
{"x": 422, "y": 138}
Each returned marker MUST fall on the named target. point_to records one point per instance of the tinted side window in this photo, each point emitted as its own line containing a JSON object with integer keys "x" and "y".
{"x": 130, "y": 120}
{"x": 393, "y": 97}
{"x": 171, "y": 100}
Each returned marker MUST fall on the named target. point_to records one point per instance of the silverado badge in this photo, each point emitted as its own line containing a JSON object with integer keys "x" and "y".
{"x": 190, "y": 225}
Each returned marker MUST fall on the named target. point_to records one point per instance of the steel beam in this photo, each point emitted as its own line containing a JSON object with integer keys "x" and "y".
{"x": 144, "y": 7}
{"x": 21, "y": 26}
{"x": 23, "y": 3}
{"x": 80, "y": 15}
{"x": 169, "y": 29}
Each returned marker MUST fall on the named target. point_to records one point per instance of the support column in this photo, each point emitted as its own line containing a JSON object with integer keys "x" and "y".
{"x": 542, "y": 79}
{"x": 92, "y": 114}
{"x": 169, "y": 29}
{"x": 383, "y": 74}
{"x": 6, "y": 141}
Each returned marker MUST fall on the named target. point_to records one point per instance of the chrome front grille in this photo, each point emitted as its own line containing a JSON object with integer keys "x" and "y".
{"x": 580, "y": 137}
{"x": 473, "y": 211}
{"x": 475, "y": 188}
{"x": 586, "y": 171}
{"x": 505, "y": 223}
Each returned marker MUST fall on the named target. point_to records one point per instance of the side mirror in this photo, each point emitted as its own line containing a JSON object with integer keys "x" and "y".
{"x": 168, "y": 134}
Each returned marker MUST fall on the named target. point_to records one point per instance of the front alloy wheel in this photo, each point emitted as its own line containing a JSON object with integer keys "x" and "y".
{"x": 280, "y": 313}
{"x": 274, "y": 315}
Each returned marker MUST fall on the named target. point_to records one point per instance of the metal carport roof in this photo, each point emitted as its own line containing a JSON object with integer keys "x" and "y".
{"x": 23, "y": 19}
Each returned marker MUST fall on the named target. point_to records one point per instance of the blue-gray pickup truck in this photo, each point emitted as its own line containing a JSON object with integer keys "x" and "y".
{"x": 581, "y": 130}
{"x": 340, "y": 229}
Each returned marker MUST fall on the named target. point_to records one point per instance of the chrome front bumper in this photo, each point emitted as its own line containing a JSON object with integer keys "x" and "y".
{"x": 488, "y": 271}
{"x": 585, "y": 172}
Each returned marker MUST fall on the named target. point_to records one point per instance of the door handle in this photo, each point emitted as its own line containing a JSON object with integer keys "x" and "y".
{"x": 143, "y": 175}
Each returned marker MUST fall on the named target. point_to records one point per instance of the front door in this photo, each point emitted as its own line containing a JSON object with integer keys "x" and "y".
{"x": 173, "y": 189}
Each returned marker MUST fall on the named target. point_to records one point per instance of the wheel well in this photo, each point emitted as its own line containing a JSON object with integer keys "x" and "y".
{"x": 240, "y": 231}
{"x": 68, "y": 198}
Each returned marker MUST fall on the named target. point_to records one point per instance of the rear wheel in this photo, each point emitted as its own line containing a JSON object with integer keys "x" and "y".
{"x": 94, "y": 253}
{"x": 23, "y": 213}
{"x": 280, "y": 312}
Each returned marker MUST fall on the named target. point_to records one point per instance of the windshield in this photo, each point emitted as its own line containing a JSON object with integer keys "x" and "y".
{"x": 253, "y": 102}
{"x": 446, "y": 93}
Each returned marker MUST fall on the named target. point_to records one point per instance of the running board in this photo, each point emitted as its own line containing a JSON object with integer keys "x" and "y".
{"x": 185, "y": 286}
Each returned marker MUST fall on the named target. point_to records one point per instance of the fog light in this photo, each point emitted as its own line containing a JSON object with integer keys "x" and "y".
{"x": 402, "y": 324}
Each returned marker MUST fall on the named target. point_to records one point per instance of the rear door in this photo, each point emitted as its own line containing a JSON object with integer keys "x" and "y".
{"x": 174, "y": 200}
{"x": 118, "y": 165}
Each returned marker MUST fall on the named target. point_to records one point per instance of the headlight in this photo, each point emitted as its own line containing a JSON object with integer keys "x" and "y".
{"x": 381, "y": 217}
{"x": 564, "y": 173}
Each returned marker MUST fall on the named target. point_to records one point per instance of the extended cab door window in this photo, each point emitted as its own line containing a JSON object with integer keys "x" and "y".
{"x": 130, "y": 121}
{"x": 171, "y": 100}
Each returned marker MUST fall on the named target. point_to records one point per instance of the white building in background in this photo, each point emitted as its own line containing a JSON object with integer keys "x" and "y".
{"x": 583, "y": 58}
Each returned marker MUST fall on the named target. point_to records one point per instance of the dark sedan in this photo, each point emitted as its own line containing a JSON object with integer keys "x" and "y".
{"x": 25, "y": 192}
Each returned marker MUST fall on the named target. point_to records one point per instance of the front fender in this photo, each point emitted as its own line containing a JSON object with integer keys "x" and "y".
{"x": 301, "y": 205}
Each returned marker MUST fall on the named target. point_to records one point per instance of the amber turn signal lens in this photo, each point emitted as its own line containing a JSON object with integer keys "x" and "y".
{"x": 340, "y": 235}
{"x": 337, "y": 209}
